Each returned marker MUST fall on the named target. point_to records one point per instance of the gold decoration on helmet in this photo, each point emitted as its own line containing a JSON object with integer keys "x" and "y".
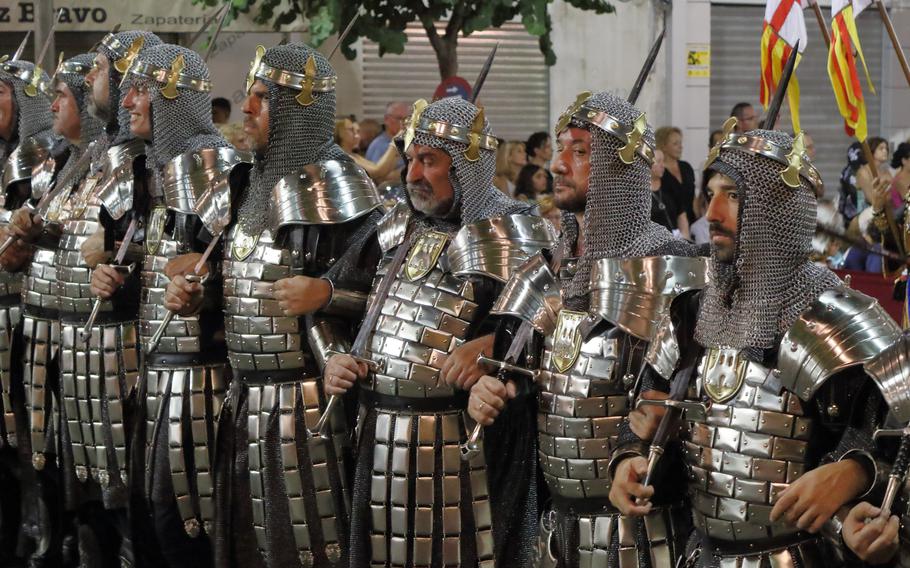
{"x": 4, "y": 58}
{"x": 790, "y": 174}
{"x": 170, "y": 89}
{"x": 411, "y": 130}
{"x": 305, "y": 98}
{"x": 254, "y": 66}
{"x": 634, "y": 139}
{"x": 566, "y": 116}
{"x": 123, "y": 64}
{"x": 59, "y": 68}
{"x": 472, "y": 154}
{"x": 32, "y": 88}
{"x": 729, "y": 126}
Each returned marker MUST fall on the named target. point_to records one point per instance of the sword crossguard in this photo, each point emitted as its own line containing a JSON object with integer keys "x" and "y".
{"x": 691, "y": 410}
{"x": 499, "y": 366}
{"x": 891, "y": 432}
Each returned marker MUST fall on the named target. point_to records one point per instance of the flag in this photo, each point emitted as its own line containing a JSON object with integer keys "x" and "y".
{"x": 842, "y": 68}
{"x": 783, "y": 27}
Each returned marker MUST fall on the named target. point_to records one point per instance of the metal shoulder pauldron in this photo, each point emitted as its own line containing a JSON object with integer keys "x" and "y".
{"x": 391, "y": 228}
{"x": 496, "y": 247}
{"x": 634, "y": 294}
{"x": 115, "y": 190}
{"x": 532, "y": 294}
{"x": 842, "y": 328}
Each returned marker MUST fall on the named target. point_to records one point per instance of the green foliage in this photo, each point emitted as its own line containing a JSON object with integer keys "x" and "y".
{"x": 385, "y": 21}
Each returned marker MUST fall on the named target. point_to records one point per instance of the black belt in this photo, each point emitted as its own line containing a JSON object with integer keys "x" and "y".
{"x": 583, "y": 505}
{"x": 10, "y": 300}
{"x": 104, "y": 318}
{"x": 751, "y": 547}
{"x": 40, "y": 313}
{"x": 372, "y": 399}
{"x": 210, "y": 357}
{"x": 255, "y": 377}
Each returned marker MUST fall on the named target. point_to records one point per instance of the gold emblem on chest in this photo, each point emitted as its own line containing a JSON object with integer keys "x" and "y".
{"x": 155, "y": 229}
{"x": 723, "y": 372}
{"x": 424, "y": 254}
{"x": 81, "y": 198}
{"x": 242, "y": 243}
{"x": 567, "y": 340}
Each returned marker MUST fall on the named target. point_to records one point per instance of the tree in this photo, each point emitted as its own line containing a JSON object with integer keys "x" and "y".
{"x": 384, "y": 21}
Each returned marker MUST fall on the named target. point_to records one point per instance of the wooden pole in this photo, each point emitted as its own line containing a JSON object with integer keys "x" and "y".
{"x": 889, "y": 27}
{"x": 821, "y": 24}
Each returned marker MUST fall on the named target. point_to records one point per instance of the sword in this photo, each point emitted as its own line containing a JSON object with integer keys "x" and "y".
{"x": 211, "y": 47}
{"x": 194, "y": 277}
{"x": 50, "y": 37}
{"x": 777, "y": 101}
{"x": 482, "y": 76}
{"x": 646, "y": 68}
{"x": 208, "y": 22}
{"x": 360, "y": 342}
{"x": 898, "y": 470}
{"x": 344, "y": 34}
{"x": 21, "y": 49}
{"x": 86, "y": 332}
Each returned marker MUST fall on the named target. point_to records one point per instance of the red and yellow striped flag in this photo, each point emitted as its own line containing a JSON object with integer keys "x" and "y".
{"x": 842, "y": 66}
{"x": 784, "y": 26}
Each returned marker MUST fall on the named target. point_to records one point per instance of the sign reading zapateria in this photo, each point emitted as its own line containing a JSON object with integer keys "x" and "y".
{"x": 175, "y": 16}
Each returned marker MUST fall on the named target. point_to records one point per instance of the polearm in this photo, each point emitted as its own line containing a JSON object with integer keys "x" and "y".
{"x": 86, "y": 332}
{"x": 826, "y": 35}
{"x": 482, "y": 76}
{"x": 646, "y": 68}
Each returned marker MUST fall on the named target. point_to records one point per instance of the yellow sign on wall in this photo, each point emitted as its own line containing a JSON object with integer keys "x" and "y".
{"x": 698, "y": 60}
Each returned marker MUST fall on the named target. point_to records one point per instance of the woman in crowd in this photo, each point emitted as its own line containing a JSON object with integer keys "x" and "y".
{"x": 678, "y": 178}
{"x": 665, "y": 209}
{"x": 510, "y": 158}
{"x": 533, "y": 182}
{"x": 348, "y": 137}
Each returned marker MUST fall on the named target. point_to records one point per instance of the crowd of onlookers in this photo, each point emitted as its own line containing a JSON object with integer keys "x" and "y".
{"x": 868, "y": 207}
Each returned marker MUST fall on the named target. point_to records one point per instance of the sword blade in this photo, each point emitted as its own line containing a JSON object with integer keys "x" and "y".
{"x": 646, "y": 68}
{"x": 482, "y": 76}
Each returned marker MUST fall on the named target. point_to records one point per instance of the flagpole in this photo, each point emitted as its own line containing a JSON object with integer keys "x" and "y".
{"x": 889, "y": 27}
{"x": 821, "y": 23}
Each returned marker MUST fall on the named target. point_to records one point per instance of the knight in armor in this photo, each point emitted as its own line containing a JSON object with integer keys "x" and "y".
{"x": 783, "y": 373}
{"x": 183, "y": 372}
{"x": 26, "y": 142}
{"x": 296, "y": 271}
{"x": 448, "y": 249}
{"x": 32, "y": 252}
{"x": 99, "y": 367}
{"x": 629, "y": 273}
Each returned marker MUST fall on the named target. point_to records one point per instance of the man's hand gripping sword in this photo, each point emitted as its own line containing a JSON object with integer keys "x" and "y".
{"x": 86, "y": 333}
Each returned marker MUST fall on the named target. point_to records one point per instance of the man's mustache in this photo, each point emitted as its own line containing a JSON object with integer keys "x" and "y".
{"x": 423, "y": 187}
{"x": 718, "y": 229}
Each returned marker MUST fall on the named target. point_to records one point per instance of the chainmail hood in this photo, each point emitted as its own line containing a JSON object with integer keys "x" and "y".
{"x": 618, "y": 209}
{"x": 298, "y": 135}
{"x": 72, "y": 72}
{"x": 115, "y": 47}
{"x": 750, "y": 303}
{"x": 33, "y": 113}
{"x": 183, "y": 123}
{"x": 475, "y": 196}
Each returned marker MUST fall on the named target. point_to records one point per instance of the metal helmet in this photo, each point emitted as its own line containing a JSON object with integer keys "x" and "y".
{"x": 752, "y": 301}
{"x": 301, "y": 84}
{"x": 30, "y": 87}
{"x": 461, "y": 130}
{"x": 120, "y": 49}
{"x": 618, "y": 210}
{"x": 179, "y": 90}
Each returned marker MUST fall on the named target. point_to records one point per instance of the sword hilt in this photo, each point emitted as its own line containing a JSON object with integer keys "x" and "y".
{"x": 86, "y": 332}
{"x": 899, "y": 468}
{"x": 499, "y": 366}
{"x": 8, "y": 243}
{"x": 168, "y": 318}
{"x": 318, "y": 430}
{"x": 471, "y": 448}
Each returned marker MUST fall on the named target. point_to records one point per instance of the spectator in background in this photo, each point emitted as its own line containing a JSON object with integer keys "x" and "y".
{"x": 746, "y": 117}
{"x": 510, "y": 158}
{"x": 678, "y": 177}
{"x": 395, "y": 115}
{"x": 347, "y": 136}
{"x": 533, "y": 182}
{"x": 900, "y": 163}
{"x": 881, "y": 152}
{"x": 221, "y": 110}
{"x": 665, "y": 209}
{"x": 699, "y": 230}
{"x": 539, "y": 149}
{"x": 369, "y": 130}
{"x": 809, "y": 143}
{"x": 853, "y": 198}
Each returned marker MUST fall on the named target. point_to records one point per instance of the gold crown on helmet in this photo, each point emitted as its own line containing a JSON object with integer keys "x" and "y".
{"x": 307, "y": 82}
{"x": 172, "y": 78}
{"x": 472, "y": 136}
{"x": 633, "y": 134}
{"x": 795, "y": 159}
{"x": 33, "y": 77}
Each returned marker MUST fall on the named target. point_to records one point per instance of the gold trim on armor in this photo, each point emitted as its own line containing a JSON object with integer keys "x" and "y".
{"x": 632, "y": 134}
{"x": 567, "y": 339}
{"x": 424, "y": 254}
{"x": 307, "y": 82}
{"x": 172, "y": 77}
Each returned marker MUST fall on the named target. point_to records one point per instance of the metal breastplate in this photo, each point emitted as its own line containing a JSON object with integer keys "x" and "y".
{"x": 74, "y": 276}
{"x": 10, "y": 282}
{"x": 748, "y": 448}
{"x": 40, "y": 284}
{"x": 259, "y": 336}
{"x": 422, "y": 320}
{"x": 183, "y": 333}
{"x": 582, "y": 402}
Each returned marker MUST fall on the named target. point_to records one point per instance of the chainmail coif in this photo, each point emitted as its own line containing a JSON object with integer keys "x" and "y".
{"x": 750, "y": 303}
{"x": 618, "y": 210}
{"x": 118, "y": 127}
{"x": 298, "y": 135}
{"x": 90, "y": 127}
{"x": 33, "y": 113}
{"x": 185, "y": 123}
{"x": 475, "y": 196}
